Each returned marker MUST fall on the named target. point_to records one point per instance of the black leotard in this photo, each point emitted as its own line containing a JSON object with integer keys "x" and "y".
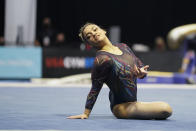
{"x": 116, "y": 71}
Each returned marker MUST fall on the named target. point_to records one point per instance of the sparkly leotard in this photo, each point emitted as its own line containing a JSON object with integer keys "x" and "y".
{"x": 116, "y": 71}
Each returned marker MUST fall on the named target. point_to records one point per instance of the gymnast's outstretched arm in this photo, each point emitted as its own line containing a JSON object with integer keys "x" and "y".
{"x": 99, "y": 74}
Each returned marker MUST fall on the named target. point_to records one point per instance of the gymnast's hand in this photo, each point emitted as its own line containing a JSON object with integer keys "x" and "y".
{"x": 82, "y": 116}
{"x": 140, "y": 72}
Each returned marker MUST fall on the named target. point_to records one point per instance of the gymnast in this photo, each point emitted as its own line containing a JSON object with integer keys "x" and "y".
{"x": 118, "y": 67}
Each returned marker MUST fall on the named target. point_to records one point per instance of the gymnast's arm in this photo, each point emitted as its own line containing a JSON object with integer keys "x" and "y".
{"x": 99, "y": 74}
{"x": 90, "y": 101}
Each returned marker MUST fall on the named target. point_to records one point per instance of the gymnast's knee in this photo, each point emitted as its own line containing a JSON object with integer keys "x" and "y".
{"x": 165, "y": 111}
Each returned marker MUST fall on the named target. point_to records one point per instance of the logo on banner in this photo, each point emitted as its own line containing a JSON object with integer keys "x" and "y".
{"x": 69, "y": 62}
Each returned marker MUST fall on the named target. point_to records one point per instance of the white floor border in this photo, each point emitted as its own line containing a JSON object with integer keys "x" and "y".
{"x": 38, "y": 85}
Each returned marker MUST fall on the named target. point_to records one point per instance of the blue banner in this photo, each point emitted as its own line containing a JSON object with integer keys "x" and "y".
{"x": 20, "y": 62}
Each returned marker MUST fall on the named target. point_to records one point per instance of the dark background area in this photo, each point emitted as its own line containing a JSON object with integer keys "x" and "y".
{"x": 2, "y": 12}
{"x": 141, "y": 21}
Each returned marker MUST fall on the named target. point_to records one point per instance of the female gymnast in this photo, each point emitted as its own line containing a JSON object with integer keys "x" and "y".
{"x": 118, "y": 67}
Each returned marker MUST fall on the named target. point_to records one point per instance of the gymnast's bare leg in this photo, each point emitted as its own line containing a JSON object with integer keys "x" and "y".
{"x": 142, "y": 110}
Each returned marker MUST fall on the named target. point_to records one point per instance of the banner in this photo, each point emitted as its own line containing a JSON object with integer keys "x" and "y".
{"x": 20, "y": 63}
{"x": 60, "y": 62}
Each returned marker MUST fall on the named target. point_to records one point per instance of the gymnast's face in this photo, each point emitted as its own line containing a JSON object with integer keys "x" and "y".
{"x": 94, "y": 35}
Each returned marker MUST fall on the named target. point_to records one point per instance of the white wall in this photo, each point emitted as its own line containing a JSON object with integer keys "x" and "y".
{"x": 20, "y": 22}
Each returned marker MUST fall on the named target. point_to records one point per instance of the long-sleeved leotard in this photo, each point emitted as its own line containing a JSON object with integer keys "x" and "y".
{"x": 116, "y": 71}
